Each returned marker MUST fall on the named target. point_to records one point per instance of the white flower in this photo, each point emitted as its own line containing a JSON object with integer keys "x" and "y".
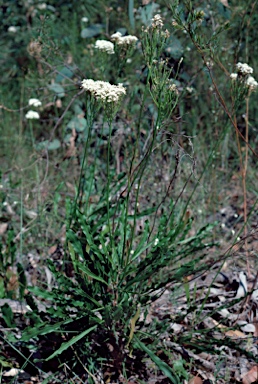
{"x": 105, "y": 46}
{"x": 244, "y": 68}
{"x": 42, "y": 6}
{"x": 12, "y": 29}
{"x": 251, "y": 83}
{"x": 156, "y": 242}
{"x": 116, "y": 36}
{"x": 189, "y": 89}
{"x": 84, "y": 19}
{"x": 157, "y": 22}
{"x": 32, "y": 115}
{"x": 104, "y": 91}
{"x": 127, "y": 40}
{"x": 35, "y": 102}
{"x": 123, "y": 40}
{"x": 173, "y": 88}
{"x": 233, "y": 76}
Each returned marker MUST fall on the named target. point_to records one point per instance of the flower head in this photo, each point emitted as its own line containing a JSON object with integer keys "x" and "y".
{"x": 116, "y": 36}
{"x": 42, "y": 6}
{"x": 157, "y": 22}
{"x": 105, "y": 46}
{"x": 123, "y": 40}
{"x": 244, "y": 68}
{"x": 233, "y": 76}
{"x": 30, "y": 115}
{"x": 35, "y": 102}
{"x": 104, "y": 91}
{"x": 84, "y": 19}
{"x": 156, "y": 242}
{"x": 12, "y": 29}
{"x": 251, "y": 83}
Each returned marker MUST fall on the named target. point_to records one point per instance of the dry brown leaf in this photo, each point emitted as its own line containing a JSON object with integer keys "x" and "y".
{"x": 71, "y": 152}
{"x": 52, "y": 249}
{"x": 225, "y": 3}
{"x": 13, "y": 372}
{"x": 3, "y": 228}
{"x": 195, "y": 380}
{"x": 235, "y": 334}
{"x": 251, "y": 376}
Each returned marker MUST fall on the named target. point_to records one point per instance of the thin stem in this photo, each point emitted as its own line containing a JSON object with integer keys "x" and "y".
{"x": 245, "y": 165}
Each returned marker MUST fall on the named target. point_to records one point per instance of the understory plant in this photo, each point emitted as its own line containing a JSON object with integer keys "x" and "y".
{"x": 121, "y": 252}
{"x": 113, "y": 271}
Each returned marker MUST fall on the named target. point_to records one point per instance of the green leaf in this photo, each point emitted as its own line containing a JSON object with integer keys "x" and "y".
{"x": 58, "y": 89}
{"x": 69, "y": 343}
{"x": 131, "y": 13}
{"x": 146, "y": 13}
{"x": 7, "y": 315}
{"x": 50, "y": 145}
{"x": 4, "y": 363}
{"x": 91, "y": 31}
{"x": 77, "y": 123}
{"x": 164, "y": 367}
{"x": 63, "y": 74}
{"x": 43, "y": 329}
{"x": 89, "y": 273}
{"x": 174, "y": 48}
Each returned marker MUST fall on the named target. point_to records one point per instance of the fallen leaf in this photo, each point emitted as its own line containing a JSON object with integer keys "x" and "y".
{"x": 3, "y": 228}
{"x": 13, "y": 372}
{"x": 251, "y": 376}
{"x": 195, "y": 380}
{"x": 235, "y": 334}
{"x": 225, "y": 3}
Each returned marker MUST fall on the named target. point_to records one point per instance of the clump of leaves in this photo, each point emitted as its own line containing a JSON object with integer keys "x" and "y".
{"x": 106, "y": 287}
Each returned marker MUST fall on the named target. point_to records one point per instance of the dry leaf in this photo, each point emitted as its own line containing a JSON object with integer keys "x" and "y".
{"x": 72, "y": 148}
{"x": 195, "y": 380}
{"x": 3, "y": 228}
{"x": 13, "y": 372}
{"x": 251, "y": 376}
{"x": 235, "y": 334}
{"x": 225, "y": 3}
{"x": 52, "y": 249}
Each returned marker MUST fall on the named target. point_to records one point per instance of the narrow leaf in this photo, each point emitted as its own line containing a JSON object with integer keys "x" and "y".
{"x": 69, "y": 343}
{"x": 160, "y": 364}
{"x": 91, "y": 274}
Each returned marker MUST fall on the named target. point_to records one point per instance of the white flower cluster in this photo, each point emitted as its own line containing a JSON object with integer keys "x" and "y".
{"x": 157, "y": 22}
{"x": 156, "y": 241}
{"x": 173, "y": 88}
{"x": 32, "y": 115}
{"x": 104, "y": 91}
{"x": 251, "y": 83}
{"x": 105, "y": 46}
{"x": 123, "y": 40}
{"x": 13, "y": 29}
{"x": 35, "y": 102}
{"x": 233, "y": 76}
{"x": 244, "y": 69}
